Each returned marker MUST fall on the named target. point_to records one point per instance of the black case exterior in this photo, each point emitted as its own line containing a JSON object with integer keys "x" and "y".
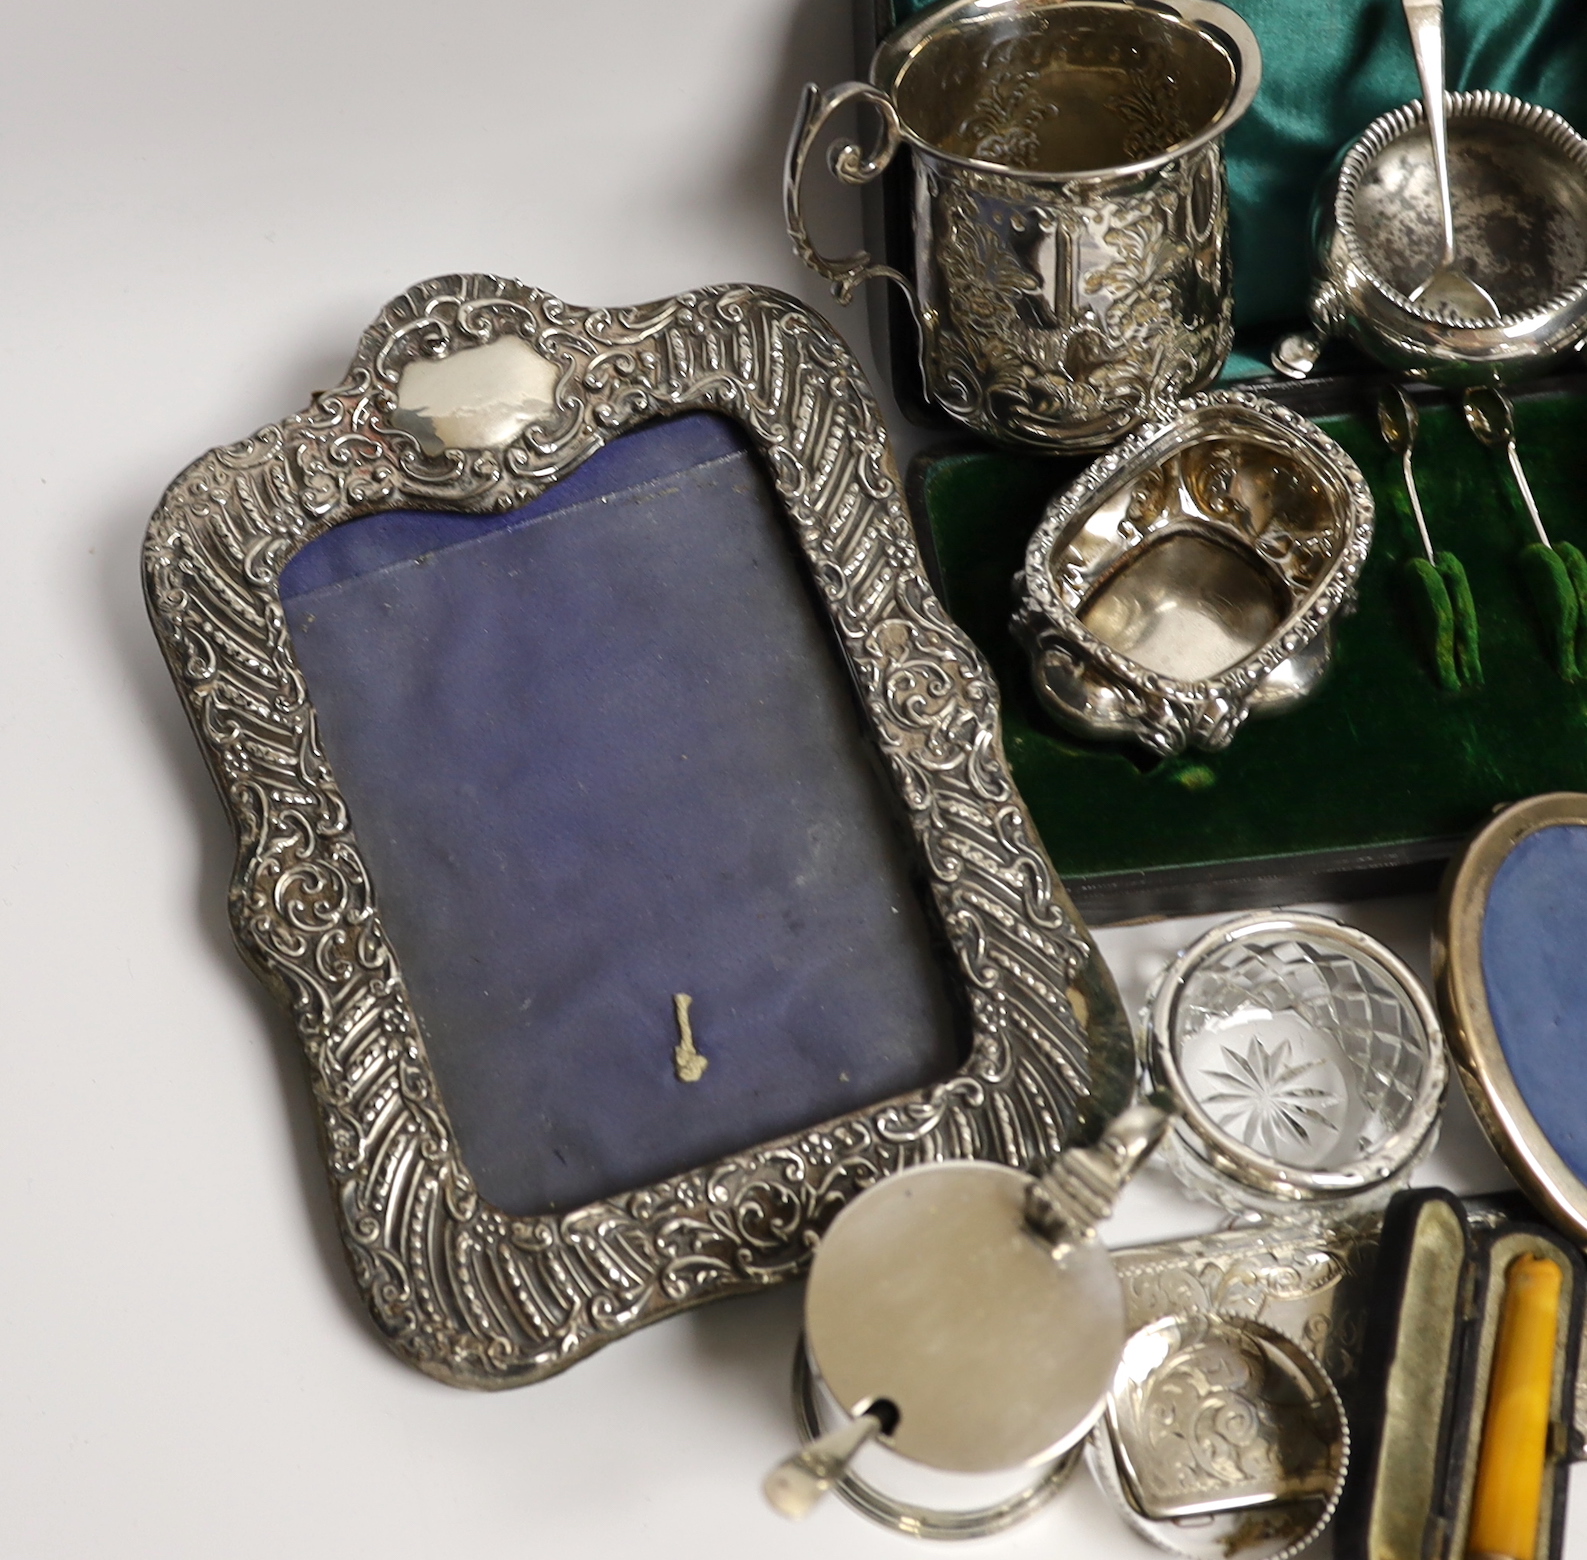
{"x": 1466, "y": 1395}
{"x": 1367, "y": 1408}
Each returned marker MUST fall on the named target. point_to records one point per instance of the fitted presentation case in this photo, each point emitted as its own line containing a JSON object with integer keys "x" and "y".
{"x": 1417, "y": 1409}
{"x": 1371, "y": 787}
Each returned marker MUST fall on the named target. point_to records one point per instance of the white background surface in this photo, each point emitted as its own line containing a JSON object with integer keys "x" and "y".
{"x": 202, "y": 206}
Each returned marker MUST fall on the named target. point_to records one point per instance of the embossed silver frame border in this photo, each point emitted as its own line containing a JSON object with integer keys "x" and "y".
{"x": 465, "y": 1292}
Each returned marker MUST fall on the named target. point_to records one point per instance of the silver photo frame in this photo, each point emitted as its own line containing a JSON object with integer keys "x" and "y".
{"x": 466, "y": 1292}
{"x": 1487, "y": 1068}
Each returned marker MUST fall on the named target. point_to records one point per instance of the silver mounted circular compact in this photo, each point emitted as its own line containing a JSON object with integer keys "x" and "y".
{"x": 1222, "y": 1440}
{"x": 962, "y": 1325}
{"x": 1305, "y": 1060}
{"x": 1190, "y": 577}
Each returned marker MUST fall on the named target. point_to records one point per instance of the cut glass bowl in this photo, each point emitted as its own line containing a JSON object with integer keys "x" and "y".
{"x": 1305, "y": 1061}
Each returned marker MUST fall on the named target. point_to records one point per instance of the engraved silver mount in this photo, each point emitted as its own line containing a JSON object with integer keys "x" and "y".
{"x": 1190, "y": 577}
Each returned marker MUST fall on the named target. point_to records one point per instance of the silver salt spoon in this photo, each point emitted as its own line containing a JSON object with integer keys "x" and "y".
{"x": 1440, "y": 591}
{"x": 1448, "y": 290}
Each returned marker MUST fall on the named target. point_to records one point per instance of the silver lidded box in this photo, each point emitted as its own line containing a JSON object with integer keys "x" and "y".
{"x": 1190, "y": 577}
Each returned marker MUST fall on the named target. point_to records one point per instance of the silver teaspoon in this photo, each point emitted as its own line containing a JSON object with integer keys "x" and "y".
{"x": 1398, "y": 422}
{"x": 1448, "y": 291}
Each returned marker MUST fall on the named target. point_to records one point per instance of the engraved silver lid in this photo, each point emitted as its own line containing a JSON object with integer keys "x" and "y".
{"x": 1224, "y": 1440}
{"x": 1211, "y": 1413}
{"x": 1305, "y": 1059}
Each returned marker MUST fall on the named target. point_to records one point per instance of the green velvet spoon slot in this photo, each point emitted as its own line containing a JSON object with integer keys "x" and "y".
{"x": 1435, "y": 586}
{"x": 1555, "y": 574}
{"x": 1439, "y": 599}
{"x": 1554, "y": 599}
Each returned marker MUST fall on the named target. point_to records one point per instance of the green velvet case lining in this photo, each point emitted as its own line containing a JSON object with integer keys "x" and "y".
{"x": 1382, "y": 756}
{"x": 1385, "y": 756}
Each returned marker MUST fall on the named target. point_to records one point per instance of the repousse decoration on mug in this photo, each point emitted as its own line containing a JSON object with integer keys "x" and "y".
{"x": 1072, "y": 267}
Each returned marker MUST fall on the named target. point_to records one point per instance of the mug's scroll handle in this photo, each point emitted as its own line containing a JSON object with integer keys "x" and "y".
{"x": 851, "y": 164}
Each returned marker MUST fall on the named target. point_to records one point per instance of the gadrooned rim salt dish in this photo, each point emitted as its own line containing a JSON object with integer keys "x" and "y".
{"x": 1501, "y": 108}
{"x": 1199, "y": 1136}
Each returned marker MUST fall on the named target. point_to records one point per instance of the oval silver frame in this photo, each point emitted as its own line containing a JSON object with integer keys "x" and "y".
{"x": 1468, "y": 1021}
{"x": 463, "y": 1291}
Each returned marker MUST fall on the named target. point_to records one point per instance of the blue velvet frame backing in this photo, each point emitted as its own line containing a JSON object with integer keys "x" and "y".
{"x": 599, "y": 751}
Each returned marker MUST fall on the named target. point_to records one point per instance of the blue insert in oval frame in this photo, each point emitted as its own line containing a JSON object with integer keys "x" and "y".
{"x": 1534, "y": 964}
{"x": 649, "y": 895}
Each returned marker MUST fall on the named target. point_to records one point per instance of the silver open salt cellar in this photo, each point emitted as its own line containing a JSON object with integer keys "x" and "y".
{"x": 962, "y": 1328}
{"x": 1190, "y": 578}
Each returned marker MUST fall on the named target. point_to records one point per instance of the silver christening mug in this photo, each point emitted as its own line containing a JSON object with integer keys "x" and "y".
{"x": 1071, "y": 262}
